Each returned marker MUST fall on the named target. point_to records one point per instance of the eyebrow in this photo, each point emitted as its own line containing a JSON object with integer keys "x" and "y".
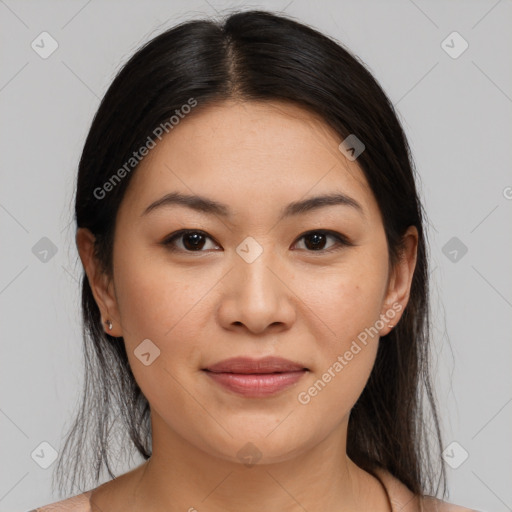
{"x": 206, "y": 205}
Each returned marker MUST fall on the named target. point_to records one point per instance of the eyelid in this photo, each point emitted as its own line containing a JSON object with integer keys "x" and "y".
{"x": 341, "y": 240}
{"x": 168, "y": 241}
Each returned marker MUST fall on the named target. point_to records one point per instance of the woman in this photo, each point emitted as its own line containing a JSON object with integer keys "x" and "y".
{"x": 255, "y": 294}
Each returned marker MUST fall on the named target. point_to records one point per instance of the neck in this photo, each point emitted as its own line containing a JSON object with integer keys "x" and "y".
{"x": 180, "y": 476}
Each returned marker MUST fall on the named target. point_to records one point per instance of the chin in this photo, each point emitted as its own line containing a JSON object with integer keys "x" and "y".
{"x": 270, "y": 445}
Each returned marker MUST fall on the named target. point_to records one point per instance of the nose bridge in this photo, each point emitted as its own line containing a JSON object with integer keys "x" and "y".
{"x": 252, "y": 272}
{"x": 256, "y": 297}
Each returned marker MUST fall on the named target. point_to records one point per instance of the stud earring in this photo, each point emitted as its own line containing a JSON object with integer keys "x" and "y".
{"x": 109, "y": 325}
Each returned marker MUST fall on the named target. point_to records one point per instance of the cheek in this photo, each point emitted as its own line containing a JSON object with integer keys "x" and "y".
{"x": 161, "y": 304}
{"x": 348, "y": 300}
{"x": 164, "y": 307}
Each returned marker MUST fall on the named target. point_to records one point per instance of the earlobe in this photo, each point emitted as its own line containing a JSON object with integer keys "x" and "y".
{"x": 400, "y": 281}
{"x": 100, "y": 284}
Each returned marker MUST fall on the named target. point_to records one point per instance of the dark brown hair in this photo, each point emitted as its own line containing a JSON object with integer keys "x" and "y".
{"x": 256, "y": 55}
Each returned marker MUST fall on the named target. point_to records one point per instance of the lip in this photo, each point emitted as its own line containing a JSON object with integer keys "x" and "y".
{"x": 256, "y": 378}
{"x": 270, "y": 364}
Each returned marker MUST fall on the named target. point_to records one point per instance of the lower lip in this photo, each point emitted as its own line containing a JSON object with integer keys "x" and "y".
{"x": 256, "y": 385}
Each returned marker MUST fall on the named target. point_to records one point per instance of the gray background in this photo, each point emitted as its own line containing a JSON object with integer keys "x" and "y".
{"x": 456, "y": 113}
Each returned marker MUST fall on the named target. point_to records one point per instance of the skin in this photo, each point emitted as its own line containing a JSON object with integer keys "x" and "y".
{"x": 199, "y": 308}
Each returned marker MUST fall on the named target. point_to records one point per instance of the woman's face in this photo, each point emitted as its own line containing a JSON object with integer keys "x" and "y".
{"x": 257, "y": 276}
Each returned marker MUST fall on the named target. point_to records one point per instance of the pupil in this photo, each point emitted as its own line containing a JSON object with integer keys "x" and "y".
{"x": 193, "y": 241}
{"x": 317, "y": 238}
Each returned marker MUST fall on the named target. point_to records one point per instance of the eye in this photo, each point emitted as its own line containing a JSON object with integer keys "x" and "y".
{"x": 197, "y": 241}
{"x": 317, "y": 240}
{"x": 189, "y": 241}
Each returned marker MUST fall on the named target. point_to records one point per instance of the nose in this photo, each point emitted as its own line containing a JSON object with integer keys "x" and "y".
{"x": 256, "y": 297}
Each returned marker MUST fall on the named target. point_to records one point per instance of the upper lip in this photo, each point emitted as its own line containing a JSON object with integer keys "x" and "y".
{"x": 248, "y": 365}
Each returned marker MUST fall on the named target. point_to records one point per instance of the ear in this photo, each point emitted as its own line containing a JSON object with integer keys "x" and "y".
{"x": 101, "y": 285}
{"x": 399, "y": 282}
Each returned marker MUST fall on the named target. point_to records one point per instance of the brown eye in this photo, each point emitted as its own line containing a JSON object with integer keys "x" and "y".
{"x": 191, "y": 241}
{"x": 317, "y": 241}
{"x": 197, "y": 241}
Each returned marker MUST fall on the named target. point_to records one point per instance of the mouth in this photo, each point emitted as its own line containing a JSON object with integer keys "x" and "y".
{"x": 256, "y": 378}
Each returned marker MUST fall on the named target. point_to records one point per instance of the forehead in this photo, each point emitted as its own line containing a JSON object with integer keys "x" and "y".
{"x": 248, "y": 154}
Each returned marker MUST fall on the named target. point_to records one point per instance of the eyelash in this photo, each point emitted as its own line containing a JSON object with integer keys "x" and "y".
{"x": 341, "y": 240}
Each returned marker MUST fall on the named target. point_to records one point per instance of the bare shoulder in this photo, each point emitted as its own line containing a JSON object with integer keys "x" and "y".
{"x": 403, "y": 500}
{"x": 110, "y": 495}
{"x": 78, "y": 503}
{"x": 436, "y": 505}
